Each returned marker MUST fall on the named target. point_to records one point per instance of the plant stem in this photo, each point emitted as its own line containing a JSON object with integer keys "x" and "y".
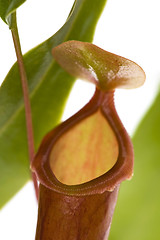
{"x": 23, "y": 76}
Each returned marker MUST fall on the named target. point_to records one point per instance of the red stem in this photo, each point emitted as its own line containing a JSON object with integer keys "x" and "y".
{"x": 23, "y": 76}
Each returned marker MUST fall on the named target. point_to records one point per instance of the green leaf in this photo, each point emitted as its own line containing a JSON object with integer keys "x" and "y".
{"x": 7, "y": 7}
{"x": 137, "y": 214}
{"x": 108, "y": 71}
{"x": 49, "y": 87}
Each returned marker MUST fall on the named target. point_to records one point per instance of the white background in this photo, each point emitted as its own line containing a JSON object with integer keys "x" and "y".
{"x": 127, "y": 28}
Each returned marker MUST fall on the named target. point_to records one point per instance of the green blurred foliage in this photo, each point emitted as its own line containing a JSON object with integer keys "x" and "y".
{"x": 137, "y": 213}
{"x": 7, "y": 7}
{"x": 49, "y": 88}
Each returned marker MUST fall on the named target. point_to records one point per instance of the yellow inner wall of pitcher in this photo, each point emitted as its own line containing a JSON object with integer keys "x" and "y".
{"x": 85, "y": 151}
